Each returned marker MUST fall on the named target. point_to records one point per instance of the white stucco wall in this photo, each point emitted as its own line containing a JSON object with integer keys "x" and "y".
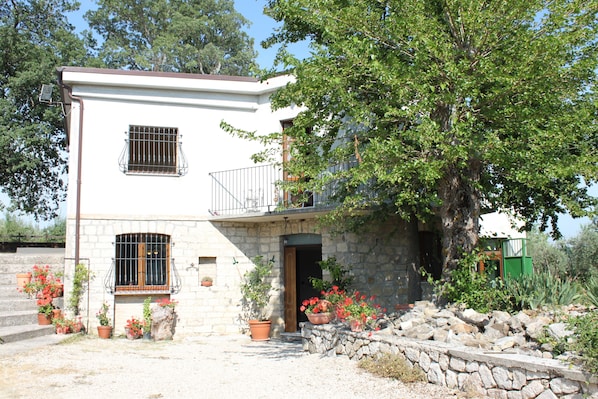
{"x": 195, "y": 106}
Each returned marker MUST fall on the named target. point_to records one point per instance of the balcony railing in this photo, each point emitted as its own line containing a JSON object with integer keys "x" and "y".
{"x": 257, "y": 190}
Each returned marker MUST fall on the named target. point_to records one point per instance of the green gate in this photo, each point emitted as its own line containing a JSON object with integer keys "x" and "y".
{"x": 516, "y": 259}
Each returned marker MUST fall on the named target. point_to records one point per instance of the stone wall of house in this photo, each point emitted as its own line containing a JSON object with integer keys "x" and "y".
{"x": 491, "y": 374}
{"x": 384, "y": 261}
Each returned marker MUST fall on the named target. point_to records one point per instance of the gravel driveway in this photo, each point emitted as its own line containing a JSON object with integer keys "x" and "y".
{"x": 199, "y": 367}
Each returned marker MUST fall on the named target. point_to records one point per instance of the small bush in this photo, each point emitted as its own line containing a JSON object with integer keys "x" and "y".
{"x": 341, "y": 276}
{"x": 586, "y": 339}
{"x": 392, "y": 366}
{"x": 473, "y": 289}
{"x": 542, "y": 289}
{"x": 591, "y": 291}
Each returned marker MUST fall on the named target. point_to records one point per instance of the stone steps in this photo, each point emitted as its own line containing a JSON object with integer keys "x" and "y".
{"x": 18, "y": 312}
{"x": 22, "y": 332}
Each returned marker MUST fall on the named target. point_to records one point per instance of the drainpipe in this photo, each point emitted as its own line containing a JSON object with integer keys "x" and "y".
{"x": 79, "y": 152}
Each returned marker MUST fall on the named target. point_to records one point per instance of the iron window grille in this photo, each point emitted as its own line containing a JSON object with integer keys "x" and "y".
{"x": 153, "y": 150}
{"x": 142, "y": 262}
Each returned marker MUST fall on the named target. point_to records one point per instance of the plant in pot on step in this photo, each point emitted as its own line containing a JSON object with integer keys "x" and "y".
{"x": 104, "y": 329}
{"x": 256, "y": 289}
{"x": 44, "y": 286}
{"x": 206, "y": 281}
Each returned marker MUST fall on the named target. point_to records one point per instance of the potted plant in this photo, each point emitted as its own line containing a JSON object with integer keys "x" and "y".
{"x": 358, "y": 310}
{"x": 256, "y": 290}
{"x": 81, "y": 279}
{"x": 206, "y": 281}
{"x": 23, "y": 279}
{"x": 318, "y": 311}
{"x": 147, "y": 318}
{"x": 134, "y": 328}
{"x": 104, "y": 329}
{"x": 45, "y": 287}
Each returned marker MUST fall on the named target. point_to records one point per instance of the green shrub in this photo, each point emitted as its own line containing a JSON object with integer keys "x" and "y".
{"x": 473, "y": 289}
{"x": 340, "y": 276}
{"x": 586, "y": 339}
{"x": 81, "y": 279}
{"x": 591, "y": 291}
{"x": 542, "y": 289}
{"x": 392, "y": 366}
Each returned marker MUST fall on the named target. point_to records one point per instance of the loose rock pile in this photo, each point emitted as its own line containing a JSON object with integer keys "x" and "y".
{"x": 498, "y": 331}
{"x": 495, "y": 355}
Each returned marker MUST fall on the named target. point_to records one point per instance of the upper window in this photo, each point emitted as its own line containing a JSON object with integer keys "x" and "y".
{"x": 142, "y": 262}
{"x": 153, "y": 150}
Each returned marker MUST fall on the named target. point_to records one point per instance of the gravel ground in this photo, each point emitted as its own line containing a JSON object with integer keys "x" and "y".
{"x": 199, "y": 367}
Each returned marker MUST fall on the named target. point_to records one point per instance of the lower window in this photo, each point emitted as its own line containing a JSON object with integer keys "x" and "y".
{"x": 142, "y": 262}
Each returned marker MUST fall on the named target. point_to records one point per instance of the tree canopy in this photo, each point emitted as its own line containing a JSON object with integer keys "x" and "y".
{"x": 35, "y": 38}
{"x": 445, "y": 108}
{"x": 193, "y": 36}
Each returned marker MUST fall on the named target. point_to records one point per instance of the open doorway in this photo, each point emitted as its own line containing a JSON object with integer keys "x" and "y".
{"x": 300, "y": 263}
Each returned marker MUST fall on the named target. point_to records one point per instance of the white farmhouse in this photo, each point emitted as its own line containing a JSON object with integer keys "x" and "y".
{"x": 159, "y": 196}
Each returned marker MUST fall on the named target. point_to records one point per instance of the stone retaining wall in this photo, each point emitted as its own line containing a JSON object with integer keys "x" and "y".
{"x": 493, "y": 374}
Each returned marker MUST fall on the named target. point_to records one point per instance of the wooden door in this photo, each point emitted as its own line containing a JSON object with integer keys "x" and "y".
{"x": 290, "y": 289}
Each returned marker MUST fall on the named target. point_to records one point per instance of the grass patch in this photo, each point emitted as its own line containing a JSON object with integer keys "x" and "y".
{"x": 392, "y": 366}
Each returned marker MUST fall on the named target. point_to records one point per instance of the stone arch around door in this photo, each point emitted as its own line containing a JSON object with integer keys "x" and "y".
{"x": 302, "y": 252}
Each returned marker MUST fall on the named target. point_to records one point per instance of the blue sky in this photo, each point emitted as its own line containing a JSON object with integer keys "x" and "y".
{"x": 261, "y": 28}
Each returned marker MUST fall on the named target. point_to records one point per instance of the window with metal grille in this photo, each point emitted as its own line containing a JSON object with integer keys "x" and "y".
{"x": 151, "y": 149}
{"x": 142, "y": 262}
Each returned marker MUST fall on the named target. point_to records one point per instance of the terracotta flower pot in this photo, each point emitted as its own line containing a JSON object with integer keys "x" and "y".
{"x": 132, "y": 335}
{"x": 356, "y": 325}
{"x": 319, "y": 318}
{"x": 260, "y": 330}
{"x": 104, "y": 332}
{"x": 43, "y": 319}
{"x": 23, "y": 279}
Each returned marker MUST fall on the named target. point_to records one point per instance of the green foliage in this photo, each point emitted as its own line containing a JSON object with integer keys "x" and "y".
{"x": 256, "y": 287}
{"x": 591, "y": 291}
{"x": 193, "y": 36}
{"x": 439, "y": 108}
{"x": 339, "y": 274}
{"x": 575, "y": 258}
{"x": 546, "y": 255}
{"x": 35, "y": 39}
{"x": 542, "y": 289}
{"x": 147, "y": 314}
{"x": 586, "y": 339}
{"x": 14, "y": 229}
{"x": 81, "y": 279}
{"x": 466, "y": 286}
{"x": 583, "y": 253}
{"x": 392, "y": 366}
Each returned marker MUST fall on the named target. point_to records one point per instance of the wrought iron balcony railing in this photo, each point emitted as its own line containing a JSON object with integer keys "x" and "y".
{"x": 257, "y": 190}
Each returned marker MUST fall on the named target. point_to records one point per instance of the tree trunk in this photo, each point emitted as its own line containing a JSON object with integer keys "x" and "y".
{"x": 460, "y": 214}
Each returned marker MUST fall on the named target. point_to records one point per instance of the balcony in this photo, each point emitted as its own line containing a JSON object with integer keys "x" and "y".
{"x": 256, "y": 191}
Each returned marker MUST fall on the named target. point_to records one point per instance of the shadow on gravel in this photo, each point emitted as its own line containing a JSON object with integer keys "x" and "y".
{"x": 273, "y": 349}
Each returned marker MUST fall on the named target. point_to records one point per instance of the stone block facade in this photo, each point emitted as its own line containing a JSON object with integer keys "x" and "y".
{"x": 383, "y": 260}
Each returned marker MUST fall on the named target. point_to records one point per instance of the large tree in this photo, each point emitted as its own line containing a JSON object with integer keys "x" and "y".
{"x": 445, "y": 108}
{"x": 193, "y": 36}
{"x": 35, "y": 38}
